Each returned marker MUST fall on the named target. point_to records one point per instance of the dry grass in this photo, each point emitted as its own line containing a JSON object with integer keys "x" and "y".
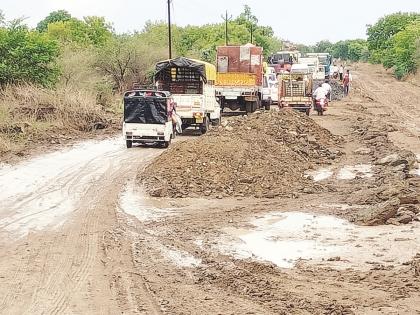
{"x": 30, "y": 114}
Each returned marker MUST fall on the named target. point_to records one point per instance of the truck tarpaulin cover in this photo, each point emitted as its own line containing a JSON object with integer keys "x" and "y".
{"x": 145, "y": 110}
{"x": 181, "y": 62}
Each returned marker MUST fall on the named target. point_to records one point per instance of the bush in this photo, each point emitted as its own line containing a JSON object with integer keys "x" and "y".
{"x": 401, "y": 55}
{"x": 27, "y": 56}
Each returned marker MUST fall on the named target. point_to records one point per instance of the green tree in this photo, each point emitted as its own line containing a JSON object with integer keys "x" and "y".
{"x": 91, "y": 31}
{"x": 55, "y": 16}
{"x": 27, "y": 56}
{"x": 380, "y": 34}
{"x": 323, "y": 46}
{"x": 402, "y": 52}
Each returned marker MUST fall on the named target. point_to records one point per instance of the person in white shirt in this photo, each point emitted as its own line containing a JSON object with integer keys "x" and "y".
{"x": 327, "y": 88}
{"x": 320, "y": 93}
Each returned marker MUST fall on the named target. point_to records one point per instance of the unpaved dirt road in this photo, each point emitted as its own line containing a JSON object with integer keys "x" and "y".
{"x": 79, "y": 236}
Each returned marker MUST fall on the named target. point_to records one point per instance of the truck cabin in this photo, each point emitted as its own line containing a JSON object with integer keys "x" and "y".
{"x": 147, "y": 107}
{"x": 181, "y": 76}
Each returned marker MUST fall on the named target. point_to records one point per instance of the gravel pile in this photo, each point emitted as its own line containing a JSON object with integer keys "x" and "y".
{"x": 263, "y": 155}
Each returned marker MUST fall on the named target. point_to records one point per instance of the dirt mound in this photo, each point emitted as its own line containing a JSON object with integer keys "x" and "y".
{"x": 337, "y": 91}
{"x": 263, "y": 155}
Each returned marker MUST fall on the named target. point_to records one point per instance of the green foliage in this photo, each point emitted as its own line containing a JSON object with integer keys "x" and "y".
{"x": 382, "y": 31}
{"x": 127, "y": 59}
{"x": 323, "y": 46}
{"x": 27, "y": 56}
{"x": 55, "y": 16}
{"x": 92, "y": 30}
{"x": 403, "y": 49}
{"x": 392, "y": 42}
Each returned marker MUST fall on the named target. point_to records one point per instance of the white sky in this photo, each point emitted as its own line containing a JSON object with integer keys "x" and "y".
{"x": 307, "y": 21}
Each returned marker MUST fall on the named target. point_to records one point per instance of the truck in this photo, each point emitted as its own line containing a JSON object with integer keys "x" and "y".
{"x": 313, "y": 65}
{"x": 282, "y": 61}
{"x": 270, "y": 90}
{"x": 295, "y": 89}
{"x": 239, "y": 77}
{"x": 325, "y": 61}
{"x": 191, "y": 83}
{"x": 148, "y": 117}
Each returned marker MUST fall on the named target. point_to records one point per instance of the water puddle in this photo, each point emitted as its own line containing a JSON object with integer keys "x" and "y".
{"x": 350, "y": 172}
{"x": 320, "y": 174}
{"x": 345, "y": 173}
{"x": 286, "y": 238}
{"x": 40, "y": 192}
{"x": 180, "y": 258}
{"x": 133, "y": 202}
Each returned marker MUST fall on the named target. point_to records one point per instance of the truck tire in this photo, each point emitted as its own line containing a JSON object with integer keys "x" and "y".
{"x": 267, "y": 105}
{"x": 308, "y": 111}
{"x": 248, "y": 107}
{"x": 129, "y": 144}
{"x": 205, "y": 126}
{"x": 166, "y": 144}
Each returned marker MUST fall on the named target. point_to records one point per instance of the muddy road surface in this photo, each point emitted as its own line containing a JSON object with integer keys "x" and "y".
{"x": 80, "y": 235}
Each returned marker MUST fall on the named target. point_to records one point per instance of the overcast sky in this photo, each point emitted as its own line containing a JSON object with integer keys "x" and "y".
{"x": 302, "y": 21}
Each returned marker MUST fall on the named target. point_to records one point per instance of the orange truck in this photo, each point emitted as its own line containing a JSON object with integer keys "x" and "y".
{"x": 239, "y": 78}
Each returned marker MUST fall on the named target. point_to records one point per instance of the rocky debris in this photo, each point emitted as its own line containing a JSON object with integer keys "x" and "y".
{"x": 337, "y": 91}
{"x": 416, "y": 265}
{"x": 380, "y": 213}
{"x": 362, "y": 151}
{"x": 262, "y": 155}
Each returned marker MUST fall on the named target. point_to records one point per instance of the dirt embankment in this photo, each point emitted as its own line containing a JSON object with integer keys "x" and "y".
{"x": 263, "y": 155}
{"x": 33, "y": 119}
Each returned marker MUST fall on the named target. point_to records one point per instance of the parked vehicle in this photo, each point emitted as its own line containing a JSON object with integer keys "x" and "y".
{"x": 239, "y": 78}
{"x": 312, "y": 64}
{"x": 282, "y": 61}
{"x": 295, "y": 89}
{"x": 148, "y": 117}
{"x": 325, "y": 61}
{"x": 270, "y": 90}
{"x": 192, "y": 85}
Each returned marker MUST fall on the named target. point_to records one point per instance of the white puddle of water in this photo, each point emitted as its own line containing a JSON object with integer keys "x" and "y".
{"x": 40, "y": 192}
{"x": 284, "y": 238}
{"x": 346, "y": 173}
{"x": 133, "y": 202}
{"x": 320, "y": 174}
{"x": 350, "y": 172}
{"x": 180, "y": 258}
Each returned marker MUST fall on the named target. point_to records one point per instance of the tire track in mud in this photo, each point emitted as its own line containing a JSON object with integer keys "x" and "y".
{"x": 67, "y": 261}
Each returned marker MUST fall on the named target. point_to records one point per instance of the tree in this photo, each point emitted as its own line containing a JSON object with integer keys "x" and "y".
{"x": 382, "y": 32}
{"x": 401, "y": 54}
{"x": 126, "y": 60}
{"x": 323, "y": 46}
{"x": 55, "y": 16}
{"x": 27, "y": 56}
{"x": 91, "y": 31}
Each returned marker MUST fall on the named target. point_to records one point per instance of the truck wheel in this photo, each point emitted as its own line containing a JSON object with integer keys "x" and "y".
{"x": 248, "y": 107}
{"x": 267, "y": 105}
{"x": 308, "y": 112}
{"x": 129, "y": 144}
{"x": 166, "y": 144}
{"x": 205, "y": 126}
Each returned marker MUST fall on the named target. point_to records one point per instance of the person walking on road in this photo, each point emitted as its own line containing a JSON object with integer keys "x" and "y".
{"x": 347, "y": 79}
{"x": 341, "y": 72}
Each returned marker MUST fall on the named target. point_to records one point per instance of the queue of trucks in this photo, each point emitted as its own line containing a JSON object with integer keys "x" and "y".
{"x": 196, "y": 93}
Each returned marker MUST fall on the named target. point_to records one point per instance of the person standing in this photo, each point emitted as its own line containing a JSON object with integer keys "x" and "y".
{"x": 341, "y": 72}
{"x": 347, "y": 79}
